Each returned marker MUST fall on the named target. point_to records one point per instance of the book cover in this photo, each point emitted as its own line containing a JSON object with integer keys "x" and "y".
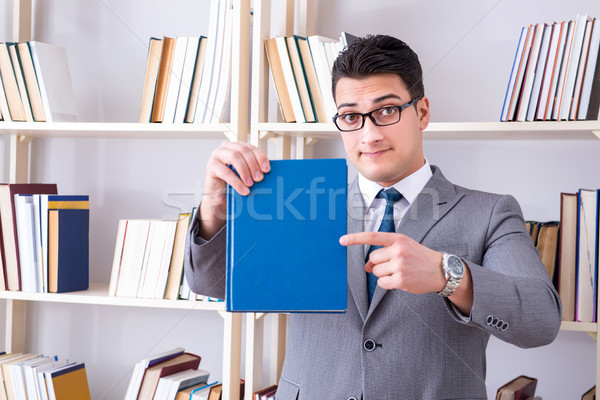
{"x": 18, "y": 70}
{"x": 31, "y": 82}
{"x": 162, "y": 80}
{"x": 68, "y": 382}
{"x": 54, "y": 79}
{"x": 9, "y": 228}
{"x": 299, "y": 208}
{"x": 138, "y": 371}
{"x": 281, "y": 89}
{"x": 42, "y": 203}
{"x": 9, "y": 84}
{"x": 153, "y": 374}
{"x": 520, "y": 388}
{"x": 68, "y": 250}
{"x": 567, "y": 254}
{"x": 301, "y": 81}
{"x": 587, "y": 255}
{"x": 152, "y": 64}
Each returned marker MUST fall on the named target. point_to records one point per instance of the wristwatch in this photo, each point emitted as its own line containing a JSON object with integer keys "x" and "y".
{"x": 454, "y": 270}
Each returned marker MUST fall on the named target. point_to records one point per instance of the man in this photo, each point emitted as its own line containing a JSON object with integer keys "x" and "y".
{"x": 454, "y": 267}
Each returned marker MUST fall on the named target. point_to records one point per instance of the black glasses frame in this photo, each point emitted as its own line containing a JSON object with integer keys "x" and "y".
{"x": 370, "y": 115}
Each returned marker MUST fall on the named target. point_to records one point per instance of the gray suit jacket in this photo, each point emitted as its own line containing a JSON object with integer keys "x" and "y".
{"x": 423, "y": 349}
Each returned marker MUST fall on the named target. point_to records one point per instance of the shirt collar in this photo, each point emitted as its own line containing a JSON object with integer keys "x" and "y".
{"x": 409, "y": 187}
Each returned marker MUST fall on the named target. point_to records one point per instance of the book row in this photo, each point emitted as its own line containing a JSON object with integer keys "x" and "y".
{"x": 171, "y": 375}
{"x": 35, "y": 83}
{"x": 555, "y": 74}
{"x": 188, "y": 78}
{"x": 44, "y": 239}
{"x": 148, "y": 259}
{"x": 569, "y": 250}
{"x": 301, "y": 70}
{"x": 38, "y": 377}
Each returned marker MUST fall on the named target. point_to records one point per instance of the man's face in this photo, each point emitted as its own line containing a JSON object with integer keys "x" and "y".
{"x": 383, "y": 154}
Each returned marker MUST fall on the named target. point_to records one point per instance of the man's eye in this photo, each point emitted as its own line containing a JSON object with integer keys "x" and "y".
{"x": 388, "y": 111}
{"x": 350, "y": 118}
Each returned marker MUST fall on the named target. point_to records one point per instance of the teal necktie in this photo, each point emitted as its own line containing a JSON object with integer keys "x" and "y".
{"x": 391, "y": 196}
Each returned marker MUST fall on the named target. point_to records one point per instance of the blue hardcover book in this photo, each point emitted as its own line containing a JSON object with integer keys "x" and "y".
{"x": 283, "y": 253}
{"x": 68, "y": 250}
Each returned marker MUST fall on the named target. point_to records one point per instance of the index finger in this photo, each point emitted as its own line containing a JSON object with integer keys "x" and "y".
{"x": 372, "y": 238}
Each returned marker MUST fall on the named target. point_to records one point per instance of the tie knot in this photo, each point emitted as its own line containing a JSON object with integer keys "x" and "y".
{"x": 390, "y": 195}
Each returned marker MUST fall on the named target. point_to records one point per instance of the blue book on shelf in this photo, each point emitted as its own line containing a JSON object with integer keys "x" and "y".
{"x": 283, "y": 253}
{"x": 68, "y": 250}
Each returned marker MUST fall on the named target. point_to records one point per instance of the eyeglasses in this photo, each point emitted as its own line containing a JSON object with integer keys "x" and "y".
{"x": 383, "y": 116}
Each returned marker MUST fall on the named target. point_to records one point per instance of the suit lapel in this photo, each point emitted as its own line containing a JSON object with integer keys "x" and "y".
{"x": 435, "y": 200}
{"x": 357, "y": 279}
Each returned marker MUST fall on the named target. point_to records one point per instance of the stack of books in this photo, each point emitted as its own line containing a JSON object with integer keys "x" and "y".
{"x": 188, "y": 78}
{"x": 148, "y": 259}
{"x": 301, "y": 70}
{"x": 172, "y": 375}
{"x": 555, "y": 74}
{"x": 45, "y": 239}
{"x": 38, "y": 377}
{"x": 35, "y": 83}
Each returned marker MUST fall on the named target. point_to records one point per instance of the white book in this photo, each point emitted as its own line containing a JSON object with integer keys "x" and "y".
{"x": 151, "y": 242}
{"x": 183, "y": 380}
{"x": 175, "y": 80}
{"x": 223, "y": 85}
{"x": 524, "y": 57}
{"x": 530, "y": 72}
{"x": 319, "y": 58}
{"x": 209, "y": 110}
{"x": 583, "y": 59}
{"x": 26, "y": 242}
{"x": 573, "y": 66}
{"x": 539, "y": 73}
{"x": 587, "y": 242}
{"x": 161, "y": 243}
{"x": 590, "y": 71}
{"x": 42, "y": 390}
{"x": 560, "y": 83}
{"x": 209, "y": 63}
{"x": 547, "y": 80}
{"x": 165, "y": 261}
{"x": 54, "y": 78}
{"x": 187, "y": 75}
{"x": 290, "y": 80}
{"x": 116, "y": 265}
{"x": 29, "y": 375}
{"x": 134, "y": 247}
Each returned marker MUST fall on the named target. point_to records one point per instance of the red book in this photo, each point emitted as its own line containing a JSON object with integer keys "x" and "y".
{"x": 165, "y": 368}
{"x": 10, "y": 248}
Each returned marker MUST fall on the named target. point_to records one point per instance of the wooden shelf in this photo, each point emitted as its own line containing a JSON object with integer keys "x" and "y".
{"x": 579, "y": 326}
{"x": 546, "y": 130}
{"x": 117, "y": 130}
{"x": 98, "y": 294}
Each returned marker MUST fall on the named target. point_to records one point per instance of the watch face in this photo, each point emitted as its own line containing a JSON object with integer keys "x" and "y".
{"x": 455, "y": 266}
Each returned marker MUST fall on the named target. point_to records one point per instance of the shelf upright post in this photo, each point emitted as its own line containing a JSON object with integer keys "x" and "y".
{"x": 18, "y": 173}
{"x": 240, "y": 73}
{"x": 232, "y": 348}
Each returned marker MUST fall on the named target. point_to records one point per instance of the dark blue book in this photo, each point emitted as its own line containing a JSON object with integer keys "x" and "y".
{"x": 283, "y": 253}
{"x": 68, "y": 250}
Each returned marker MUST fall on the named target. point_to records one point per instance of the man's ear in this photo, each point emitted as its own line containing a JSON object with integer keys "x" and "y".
{"x": 423, "y": 113}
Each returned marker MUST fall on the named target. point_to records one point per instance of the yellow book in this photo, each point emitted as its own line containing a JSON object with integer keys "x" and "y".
{"x": 68, "y": 382}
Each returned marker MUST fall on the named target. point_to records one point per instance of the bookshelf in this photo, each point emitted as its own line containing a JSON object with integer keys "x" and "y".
{"x": 295, "y": 140}
{"x": 22, "y": 134}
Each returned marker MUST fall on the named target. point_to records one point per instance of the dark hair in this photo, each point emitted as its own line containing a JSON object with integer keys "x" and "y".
{"x": 380, "y": 54}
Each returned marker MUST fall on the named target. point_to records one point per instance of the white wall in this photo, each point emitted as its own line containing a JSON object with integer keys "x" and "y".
{"x": 466, "y": 48}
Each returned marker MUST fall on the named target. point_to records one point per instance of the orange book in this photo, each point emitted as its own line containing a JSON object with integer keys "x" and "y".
{"x": 162, "y": 80}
